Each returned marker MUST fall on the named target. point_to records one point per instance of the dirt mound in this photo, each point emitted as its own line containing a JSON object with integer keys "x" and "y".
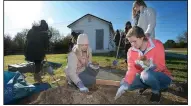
{"x": 97, "y": 95}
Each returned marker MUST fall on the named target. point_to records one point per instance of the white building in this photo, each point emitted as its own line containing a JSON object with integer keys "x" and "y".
{"x": 100, "y": 32}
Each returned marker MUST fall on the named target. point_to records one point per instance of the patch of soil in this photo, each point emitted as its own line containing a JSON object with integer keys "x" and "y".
{"x": 98, "y": 95}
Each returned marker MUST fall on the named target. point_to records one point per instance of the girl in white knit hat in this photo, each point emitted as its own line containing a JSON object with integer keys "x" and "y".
{"x": 80, "y": 70}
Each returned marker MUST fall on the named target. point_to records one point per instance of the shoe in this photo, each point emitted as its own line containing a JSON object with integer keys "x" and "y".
{"x": 142, "y": 90}
{"x": 37, "y": 78}
{"x": 155, "y": 97}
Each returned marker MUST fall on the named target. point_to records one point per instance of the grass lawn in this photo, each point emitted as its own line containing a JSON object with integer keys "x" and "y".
{"x": 178, "y": 67}
{"x": 179, "y": 50}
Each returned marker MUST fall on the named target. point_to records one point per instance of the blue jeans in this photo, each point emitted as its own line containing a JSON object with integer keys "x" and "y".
{"x": 155, "y": 80}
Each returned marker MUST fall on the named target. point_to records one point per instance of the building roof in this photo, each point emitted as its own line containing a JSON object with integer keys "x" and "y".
{"x": 110, "y": 24}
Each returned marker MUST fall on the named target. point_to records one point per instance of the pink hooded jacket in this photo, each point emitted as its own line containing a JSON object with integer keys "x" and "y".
{"x": 155, "y": 51}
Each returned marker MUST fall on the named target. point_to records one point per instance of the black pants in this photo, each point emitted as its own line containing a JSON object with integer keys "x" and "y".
{"x": 127, "y": 46}
{"x": 38, "y": 66}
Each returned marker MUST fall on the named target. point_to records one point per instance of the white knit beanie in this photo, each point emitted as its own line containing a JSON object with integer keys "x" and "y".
{"x": 82, "y": 39}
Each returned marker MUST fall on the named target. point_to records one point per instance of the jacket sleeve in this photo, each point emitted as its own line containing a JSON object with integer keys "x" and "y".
{"x": 160, "y": 59}
{"x": 72, "y": 68}
{"x": 46, "y": 39}
{"x": 151, "y": 18}
{"x": 26, "y": 42}
{"x": 132, "y": 70}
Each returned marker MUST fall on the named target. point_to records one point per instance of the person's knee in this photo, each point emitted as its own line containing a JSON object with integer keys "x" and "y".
{"x": 87, "y": 79}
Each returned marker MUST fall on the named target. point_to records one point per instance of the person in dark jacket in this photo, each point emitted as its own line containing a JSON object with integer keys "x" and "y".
{"x": 127, "y": 44}
{"x": 73, "y": 40}
{"x": 117, "y": 38}
{"x": 71, "y": 44}
{"x": 36, "y": 46}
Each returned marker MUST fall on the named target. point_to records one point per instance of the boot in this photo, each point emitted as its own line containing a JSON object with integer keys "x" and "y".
{"x": 155, "y": 97}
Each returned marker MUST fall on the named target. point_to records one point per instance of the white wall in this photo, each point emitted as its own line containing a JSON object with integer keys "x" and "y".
{"x": 90, "y": 29}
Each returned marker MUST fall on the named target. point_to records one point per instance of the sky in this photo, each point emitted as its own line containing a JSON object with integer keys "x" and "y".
{"x": 18, "y": 15}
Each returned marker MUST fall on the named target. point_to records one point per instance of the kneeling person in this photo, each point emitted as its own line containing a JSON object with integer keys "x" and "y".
{"x": 79, "y": 69}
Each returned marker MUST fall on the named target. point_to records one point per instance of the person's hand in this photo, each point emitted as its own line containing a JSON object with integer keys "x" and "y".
{"x": 82, "y": 88}
{"x": 122, "y": 81}
{"x": 134, "y": 13}
{"x": 123, "y": 87}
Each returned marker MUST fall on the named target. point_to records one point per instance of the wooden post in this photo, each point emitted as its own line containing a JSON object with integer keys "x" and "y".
{"x": 107, "y": 82}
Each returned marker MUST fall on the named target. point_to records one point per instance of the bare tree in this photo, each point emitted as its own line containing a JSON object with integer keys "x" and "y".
{"x": 183, "y": 37}
{"x": 7, "y": 44}
{"x": 55, "y": 34}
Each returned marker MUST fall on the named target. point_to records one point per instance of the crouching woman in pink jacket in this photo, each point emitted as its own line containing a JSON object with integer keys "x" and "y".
{"x": 148, "y": 72}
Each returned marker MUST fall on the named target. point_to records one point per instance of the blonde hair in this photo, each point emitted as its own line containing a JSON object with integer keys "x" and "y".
{"x": 139, "y": 3}
{"x": 77, "y": 50}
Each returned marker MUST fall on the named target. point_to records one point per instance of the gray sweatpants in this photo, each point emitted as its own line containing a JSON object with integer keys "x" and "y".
{"x": 88, "y": 76}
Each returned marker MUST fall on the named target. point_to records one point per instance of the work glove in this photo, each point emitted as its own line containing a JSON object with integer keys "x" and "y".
{"x": 122, "y": 81}
{"x": 123, "y": 87}
{"x": 82, "y": 88}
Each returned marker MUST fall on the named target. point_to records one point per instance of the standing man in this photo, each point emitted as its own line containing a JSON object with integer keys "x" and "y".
{"x": 36, "y": 46}
{"x": 117, "y": 38}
